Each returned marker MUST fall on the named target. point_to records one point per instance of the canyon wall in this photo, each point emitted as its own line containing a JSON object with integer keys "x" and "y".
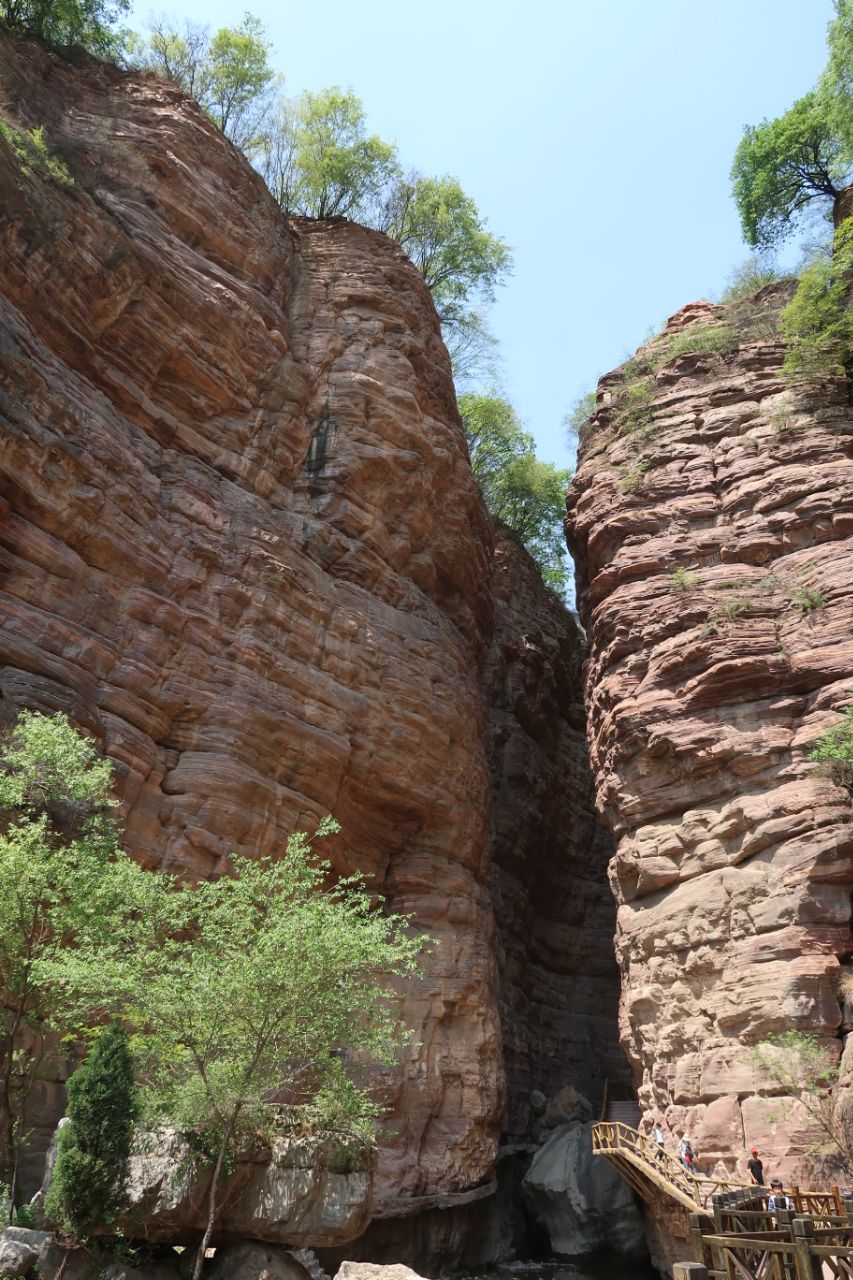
{"x": 242, "y": 546}
{"x": 712, "y": 523}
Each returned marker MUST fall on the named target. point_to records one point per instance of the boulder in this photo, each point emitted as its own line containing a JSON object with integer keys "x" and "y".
{"x": 19, "y": 1250}
{"x": 373, "y": 1271}
{"x": 297, "y": 1192}
{"x": 579, "y": 1200}
{"x": 252, "y": 1260}
{"x": 568, "y": 1105}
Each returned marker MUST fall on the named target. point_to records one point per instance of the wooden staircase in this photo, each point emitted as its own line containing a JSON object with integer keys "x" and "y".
{"x": 653, "y": 1172}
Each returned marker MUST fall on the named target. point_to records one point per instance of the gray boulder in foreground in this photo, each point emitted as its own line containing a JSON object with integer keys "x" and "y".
{"x": 298, "y": 1192}
{"x": 580, "y": 1200}
{"x": 19, "y": 1250}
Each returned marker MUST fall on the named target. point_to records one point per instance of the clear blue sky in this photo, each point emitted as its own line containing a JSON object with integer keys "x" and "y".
{"x": 595, "y": 137}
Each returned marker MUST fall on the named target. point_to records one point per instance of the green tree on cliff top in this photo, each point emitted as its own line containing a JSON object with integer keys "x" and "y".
{"x": 228, "y": 73}
{"x": 88, "y": 24}
{"x": 804, "y": 159}
{"x": 525, "y": 494}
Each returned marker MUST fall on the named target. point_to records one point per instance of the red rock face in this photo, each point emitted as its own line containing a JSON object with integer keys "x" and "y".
{"x": 241, "y": 543}
{"x": 715, "y": 549}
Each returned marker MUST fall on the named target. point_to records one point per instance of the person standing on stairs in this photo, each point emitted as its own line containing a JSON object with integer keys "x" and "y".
{"x": 756, "y": 1168}
{"x": 660, "y": 1139}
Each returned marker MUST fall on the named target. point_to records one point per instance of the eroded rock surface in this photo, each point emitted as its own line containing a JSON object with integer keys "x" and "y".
{"x": 242, "y": 545}
{"x": 714, "y": 539}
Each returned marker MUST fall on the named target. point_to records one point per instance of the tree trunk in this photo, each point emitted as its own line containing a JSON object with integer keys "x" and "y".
{"x": 211, "y": 1198}
{"x": 843, "y": 206}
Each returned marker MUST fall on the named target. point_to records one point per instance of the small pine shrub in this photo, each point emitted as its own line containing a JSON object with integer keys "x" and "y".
{"x": 33, "y": 155}
{"x": 817, "y": 324}
{"x": 683, "y": 580}
{"x": 91, "y": 1166}
{"x": 833, "y": 750}
{"x": 808, "y": 599}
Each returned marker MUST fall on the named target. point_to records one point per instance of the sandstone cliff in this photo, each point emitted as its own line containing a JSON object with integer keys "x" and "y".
{"x": 241, "y": 543}
{"x": 712, "y": 521}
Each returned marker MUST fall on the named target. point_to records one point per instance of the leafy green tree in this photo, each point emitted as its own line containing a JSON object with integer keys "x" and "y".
{"x": 782, "y": 167}
{"x": 577, "y": 419}
{"x": 62, "y": 875}
{"x": 228, "y": 74}
{"x": 256, "y": 987}
{"x": 836, "y": 83}
{"x": 87, "y": 1186}
{"x": 527, "y": 495}
{"x": 444, "y": 234}
{"x": 89, "y": 24}
{"x": 320, "y": 160}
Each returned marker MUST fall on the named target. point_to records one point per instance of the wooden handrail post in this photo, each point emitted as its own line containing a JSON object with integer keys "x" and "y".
{"x": 697, "y": 1221}
{"x": 836, "y": 1195}
{"x": 689, "y": 1271}
{"x": 808, "y": 1266}
{"x": 847, "y": 1199}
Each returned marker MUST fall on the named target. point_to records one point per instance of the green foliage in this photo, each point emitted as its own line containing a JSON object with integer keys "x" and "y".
{"x": 833, "y": 750}
{"x": 33, "y": 155}
{"x": 444, "y": 234}
{"x": 683, "y": 580}
{"x": 320, "y": 161}
{"x": 809, "y": 599}
{"x": 782, "y": 166}
{"x": 525, "y": 494}
{"x": 91, "y": 1165}
{"x": 836, "y": 84}
{"x": 62, "y": 876}
{"x": 228, "y": 73}
{"x": 697, "y": 339}
{"x": 577, "y": 419}
{"x": 257, "y": 985}
{"x": 632, "y": 480}
{"x": 87, "y": 24}
{"x": 26, "y": 1216}
{"x": 817, "y": 324}
{"x": 634, "y": 404}
{"x": 753, "y": 274}
{"x": 802, "y": 1066}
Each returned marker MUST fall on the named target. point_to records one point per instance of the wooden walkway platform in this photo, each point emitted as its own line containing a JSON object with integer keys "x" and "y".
{"x": 733, "y": 1235}
{"x": 653, "y": 1172}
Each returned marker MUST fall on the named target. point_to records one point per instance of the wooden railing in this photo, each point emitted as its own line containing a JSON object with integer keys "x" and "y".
{"x": 627, "y": 1147}
{"x": 792, "y": 1249}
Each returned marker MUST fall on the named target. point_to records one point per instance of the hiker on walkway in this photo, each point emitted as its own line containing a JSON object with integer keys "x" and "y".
{"x": 660, "y": 1139}
{"x": 685, "y": 1154}
{"x": 777, "y": 1199}
{"x": 756, "y": 1169}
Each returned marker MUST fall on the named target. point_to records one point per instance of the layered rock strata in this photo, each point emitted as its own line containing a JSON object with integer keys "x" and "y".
{"x": 712, "y": 522}
{"x": 242, "y": 545}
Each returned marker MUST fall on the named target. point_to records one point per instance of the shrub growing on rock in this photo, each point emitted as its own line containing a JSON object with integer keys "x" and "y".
{"x": 834, "y": 751}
